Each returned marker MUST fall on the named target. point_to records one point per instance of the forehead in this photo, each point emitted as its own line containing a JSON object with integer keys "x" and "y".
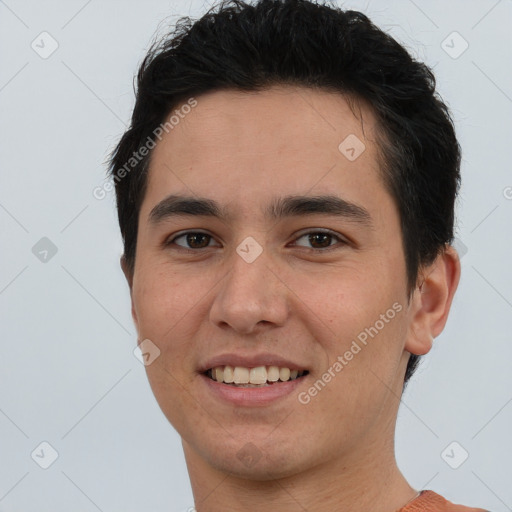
{"x": 245, "y": 144}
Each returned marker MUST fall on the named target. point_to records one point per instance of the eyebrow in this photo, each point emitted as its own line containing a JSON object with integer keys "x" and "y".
{"x": 281, "y": 207}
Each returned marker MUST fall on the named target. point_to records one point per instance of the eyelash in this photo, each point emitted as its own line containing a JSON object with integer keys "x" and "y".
{"x": 342, "y": 241}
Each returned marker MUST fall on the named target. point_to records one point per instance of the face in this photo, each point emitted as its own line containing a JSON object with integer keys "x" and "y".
{"x": 270, "y": 278}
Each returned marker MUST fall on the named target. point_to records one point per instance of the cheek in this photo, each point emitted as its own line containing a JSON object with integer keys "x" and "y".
{"x": 361, "y": 364}
{"x": 173, "y": 308}
{"x": 160, "y": 299}
{"x": 365, "y": 316}
{"x": 352, "y": 296}
{"x": 164, "y": 308}
{"x": 172, "y": 391}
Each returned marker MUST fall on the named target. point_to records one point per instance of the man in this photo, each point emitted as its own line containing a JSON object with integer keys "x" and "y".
{"x": 286, "y": 199}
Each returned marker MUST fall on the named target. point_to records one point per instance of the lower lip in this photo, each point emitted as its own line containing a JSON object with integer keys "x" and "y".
{"x": 251, "y": 397}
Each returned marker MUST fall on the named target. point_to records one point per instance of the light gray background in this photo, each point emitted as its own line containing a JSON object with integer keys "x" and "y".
{"x": 68, "y": 375}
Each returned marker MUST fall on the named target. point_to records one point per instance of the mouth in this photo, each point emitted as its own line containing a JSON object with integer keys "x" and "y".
{"x": 257, "y": 377}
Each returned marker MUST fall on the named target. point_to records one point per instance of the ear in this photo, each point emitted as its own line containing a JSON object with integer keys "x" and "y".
{"x": 431, "y": 301}
{"x": 128, "y": 273}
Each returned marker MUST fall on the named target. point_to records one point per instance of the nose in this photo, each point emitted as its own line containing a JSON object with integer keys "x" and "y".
{"x": 251, "y": 296}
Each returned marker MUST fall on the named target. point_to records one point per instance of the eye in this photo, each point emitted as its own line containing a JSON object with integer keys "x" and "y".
{"x": 193, "y": 239}
{"x": 322, "y": 239}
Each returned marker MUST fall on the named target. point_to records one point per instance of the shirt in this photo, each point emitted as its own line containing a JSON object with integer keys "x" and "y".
{"x": 429, "y": 501}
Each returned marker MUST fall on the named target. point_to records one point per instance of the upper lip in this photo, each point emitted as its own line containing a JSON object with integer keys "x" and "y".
{"x": 247, "y": 361}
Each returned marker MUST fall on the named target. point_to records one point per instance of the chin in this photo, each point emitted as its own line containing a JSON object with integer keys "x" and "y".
{"x": 259, "y": 458}
{"x": 260, "y": 469}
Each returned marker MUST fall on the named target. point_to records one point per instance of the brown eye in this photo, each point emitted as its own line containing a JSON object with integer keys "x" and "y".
{"x": 323, "y": 239}
{"x": 320, "y": 240}
{"x": 193, "y": 240}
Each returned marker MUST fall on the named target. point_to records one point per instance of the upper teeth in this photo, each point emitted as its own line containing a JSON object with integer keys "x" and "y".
{"x": 258, "y": 375}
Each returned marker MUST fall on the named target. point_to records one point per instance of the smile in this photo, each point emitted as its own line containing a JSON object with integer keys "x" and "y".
{"x": 260, "y": 376}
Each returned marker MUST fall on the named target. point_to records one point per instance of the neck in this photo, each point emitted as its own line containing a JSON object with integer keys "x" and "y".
{"x": 358, "y": 482}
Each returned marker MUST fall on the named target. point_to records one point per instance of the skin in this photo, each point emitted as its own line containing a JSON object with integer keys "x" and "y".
{"x": 242, "y": 150}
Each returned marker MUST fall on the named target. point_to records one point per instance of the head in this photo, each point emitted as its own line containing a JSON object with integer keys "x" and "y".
{"x": 267, "y": 97}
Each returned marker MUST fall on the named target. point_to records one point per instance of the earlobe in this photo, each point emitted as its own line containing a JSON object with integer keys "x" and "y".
{"x": 431, "y": 301}
{"x": 128, "y": 273}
